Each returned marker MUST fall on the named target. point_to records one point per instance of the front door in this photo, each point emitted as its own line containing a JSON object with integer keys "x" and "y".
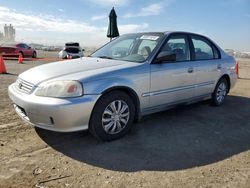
{"x": 174, "y": 81}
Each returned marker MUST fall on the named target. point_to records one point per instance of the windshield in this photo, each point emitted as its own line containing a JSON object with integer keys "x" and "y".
{"x": 131, "y": 47}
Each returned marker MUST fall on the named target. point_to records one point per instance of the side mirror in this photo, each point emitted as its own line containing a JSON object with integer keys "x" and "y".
{"x": 165, "y": 56}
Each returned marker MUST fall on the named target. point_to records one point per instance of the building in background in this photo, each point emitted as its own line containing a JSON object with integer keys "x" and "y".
{"x": 9, "y": 34}
{"x": 1, "y": 36}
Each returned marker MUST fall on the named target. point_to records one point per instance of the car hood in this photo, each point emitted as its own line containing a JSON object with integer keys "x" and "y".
{"x": 85, "y": 67}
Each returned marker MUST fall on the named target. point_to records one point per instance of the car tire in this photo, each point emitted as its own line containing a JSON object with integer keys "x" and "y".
{"x": 112, "y": 116}
{"x": 34, "y": 55}
{"x": 220, "y": 92}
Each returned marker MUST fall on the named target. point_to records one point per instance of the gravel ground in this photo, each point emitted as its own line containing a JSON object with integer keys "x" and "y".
{"x": 191, "y": 146}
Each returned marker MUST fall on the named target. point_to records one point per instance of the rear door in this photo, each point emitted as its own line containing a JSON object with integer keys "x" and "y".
{"x": 207, "y": 64}
{"x": 173, "y": 82}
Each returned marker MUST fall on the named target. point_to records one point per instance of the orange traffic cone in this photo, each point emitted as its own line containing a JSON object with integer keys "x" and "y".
{"x": 2, "y": 66}
{"x": 20, "y": 59}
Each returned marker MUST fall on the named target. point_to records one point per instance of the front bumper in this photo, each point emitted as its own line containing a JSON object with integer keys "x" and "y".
{"x": 62, "y": 115}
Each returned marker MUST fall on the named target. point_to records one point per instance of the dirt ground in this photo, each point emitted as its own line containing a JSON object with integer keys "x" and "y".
{"x": 192, "y": 146}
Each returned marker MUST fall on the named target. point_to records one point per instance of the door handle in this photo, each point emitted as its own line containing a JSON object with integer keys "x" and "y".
{"x": 219, "y": 66}
{"x": 190, "y": 70}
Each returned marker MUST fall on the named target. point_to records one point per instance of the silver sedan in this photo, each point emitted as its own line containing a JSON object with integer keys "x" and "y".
{"x": 132, "y": 76}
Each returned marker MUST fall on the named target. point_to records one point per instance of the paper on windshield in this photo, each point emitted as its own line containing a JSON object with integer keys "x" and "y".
{"x": 149, "y": 37}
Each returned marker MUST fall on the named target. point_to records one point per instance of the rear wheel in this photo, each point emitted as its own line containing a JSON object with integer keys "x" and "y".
{"x": 34, "y": 55}
{"x": 220, "y": 92}
{"x": 112, "y": 116}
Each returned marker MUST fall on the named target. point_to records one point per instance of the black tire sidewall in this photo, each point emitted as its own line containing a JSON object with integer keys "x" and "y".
{"x": 96, "y": 127}
{"x": 214, "y": 97}
{"x": 34, "y": 54}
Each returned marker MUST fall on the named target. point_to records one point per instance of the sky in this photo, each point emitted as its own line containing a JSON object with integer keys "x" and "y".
{"x": 54, "y": 22}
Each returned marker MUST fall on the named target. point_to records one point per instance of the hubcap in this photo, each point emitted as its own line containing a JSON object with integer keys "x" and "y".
{"x": 221, "y": 92}
{"x": 115, "y": 117}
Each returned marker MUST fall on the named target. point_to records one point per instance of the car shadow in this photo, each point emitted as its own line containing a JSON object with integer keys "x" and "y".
{"x": 180, "y": 138}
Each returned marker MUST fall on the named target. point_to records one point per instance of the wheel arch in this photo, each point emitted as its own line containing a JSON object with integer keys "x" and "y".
{"x": 226, "y": 76}
{"x": 34, "y": 54}
{"x": 130, "y": 92}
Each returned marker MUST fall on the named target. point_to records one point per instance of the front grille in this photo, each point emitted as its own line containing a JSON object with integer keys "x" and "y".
{"x": 24, "y": 86}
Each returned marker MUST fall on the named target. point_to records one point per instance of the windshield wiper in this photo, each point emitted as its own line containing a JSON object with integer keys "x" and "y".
{"x": 105, "y": 57}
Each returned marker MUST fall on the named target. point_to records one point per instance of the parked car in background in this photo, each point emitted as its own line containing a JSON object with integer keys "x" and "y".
{"x": 17, "y": 49}
{"x": 132, "y": 76}
{"x": 72, "y": 50}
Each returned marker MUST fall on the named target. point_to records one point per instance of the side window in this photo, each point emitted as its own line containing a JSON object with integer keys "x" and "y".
{"x": 21, "y": 45}
{"x": 26, "y": 46}
{"x": 216, "y": 53}
{"x": 178, "y": 44}
{"x": 203, "y": 49}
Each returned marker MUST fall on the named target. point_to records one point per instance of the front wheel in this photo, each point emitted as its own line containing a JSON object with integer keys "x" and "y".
{"x": 112, "y": 116}
{"x": 220, "y": 92}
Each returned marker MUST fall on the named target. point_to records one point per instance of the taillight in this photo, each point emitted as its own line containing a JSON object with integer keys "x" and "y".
{"x": 237, "y": 69}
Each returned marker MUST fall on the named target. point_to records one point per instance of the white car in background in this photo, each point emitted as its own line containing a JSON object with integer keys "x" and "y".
{"x": 71, "y": 50}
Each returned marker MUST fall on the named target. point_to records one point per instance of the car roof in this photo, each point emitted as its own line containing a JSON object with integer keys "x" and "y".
{"x": 166, "y": 33}
{"x": 173, "y": 32}
{"x": 146, "y": 33}
{"x": 183, "y": 32}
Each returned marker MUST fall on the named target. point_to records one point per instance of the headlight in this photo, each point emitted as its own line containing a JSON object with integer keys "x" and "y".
{"x": 60, "y": 89}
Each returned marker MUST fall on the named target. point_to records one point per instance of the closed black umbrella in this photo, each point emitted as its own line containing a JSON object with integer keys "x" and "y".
{"x": 112, "y": 29}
